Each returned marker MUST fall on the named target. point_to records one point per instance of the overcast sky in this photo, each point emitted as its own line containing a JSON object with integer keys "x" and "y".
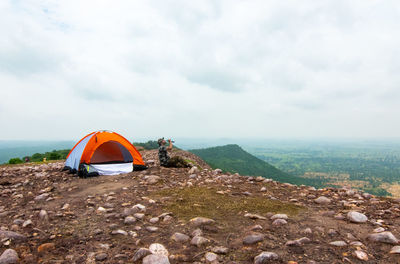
{"x": 208, "y": 69}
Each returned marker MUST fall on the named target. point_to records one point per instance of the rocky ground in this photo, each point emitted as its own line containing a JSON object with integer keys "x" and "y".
{"x": 191, "y": 215}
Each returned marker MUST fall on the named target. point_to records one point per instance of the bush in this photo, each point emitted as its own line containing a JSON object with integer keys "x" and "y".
{"x": 54, "y": 156}
{"x": 15, "y": 161}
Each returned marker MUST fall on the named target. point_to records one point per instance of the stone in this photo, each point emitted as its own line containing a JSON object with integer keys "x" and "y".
{"x": 46, "y": 247}
{"x": 361, "y": 255}
{"x": 155, "y": 259}
{"x": 255, "y": 216}
{"x": 12, "y": 235}
{"x": 129, "y": 220}
{"x": 180, "y": 238}
{"x": 119, "y": 232}
{"x": 140, "y": 253}
{"x": 253, "y": 239}
{"x": 158, "y": 249}
{"x": 384, "y": 237}
{"x": 152, "y": 228}
{"x": 220, "y": 250}
{"x": 154, "y": 220}
{"x": 395, "y": 250}
{"x": 322, "y": 200}
{"x": 43, "y": 215}
{"x": 199, "y": 241}
{"x": 27, "y": 223}
{"x": 200, "y": 221}
{"x": 9, "y": 256}
{"x": 139, "y": 208}
{"x": 153, "y": 179}
{"x": 42, "y": 197}
{"x": 265, "y": 257}
{"x": 339, "y": 243}
{"x": 279, "y": 216}
{"x": 197, "y": 232}
{"x": 211, "y": 257}
{"x": 101, "y": 256}
{"x": 356, "y": 217}
{"x": 279, "y": 222}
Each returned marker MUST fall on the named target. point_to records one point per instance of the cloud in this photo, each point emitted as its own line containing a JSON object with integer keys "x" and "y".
{"x": 216, "y": 69}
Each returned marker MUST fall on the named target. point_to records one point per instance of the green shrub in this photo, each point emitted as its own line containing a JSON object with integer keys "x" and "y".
{"x": 15, "y": 161}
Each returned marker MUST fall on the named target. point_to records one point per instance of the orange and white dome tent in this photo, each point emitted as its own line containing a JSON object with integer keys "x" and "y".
{"x": 103, "y": 153}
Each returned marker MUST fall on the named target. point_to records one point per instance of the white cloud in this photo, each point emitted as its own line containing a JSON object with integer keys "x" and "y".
{"x": 199, "y": 69}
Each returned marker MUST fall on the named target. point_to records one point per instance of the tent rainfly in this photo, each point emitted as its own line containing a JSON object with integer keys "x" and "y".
{"x": 103, "y": 153}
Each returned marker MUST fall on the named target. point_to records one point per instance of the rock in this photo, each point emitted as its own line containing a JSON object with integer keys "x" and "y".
{"x": 119, "y": 232}
{"x": 12, "y": 235}
{"x": 139, "y": 215}
{"x": 322, "y": 200}
{"x": 384, "y": 237}
{"x": 193, "y": 170}
{"x": 27, "y": 223}
{"x": 361, "y": 255}
{"x": 253, "y": 239}
{"x": 154, "y": 220}
{"x": 155, "y": 259}
{"x": 255, "y": 216}
{"x": 200, "y": 221}
{"x": 307, "y": 231}
{"x": 356, "y": 217}
{"x": 140, "y": 253}
{"x": 152, "y": 228}
{"x": 339, "y": 243}
{"x": 158, "y": 249}
{"x": 129, "y": 220}
{"x": 197, "y": 232}
{"x": 263, "y": 189}
{"x": 220, "y": 250}
{"x": 211, "y": 257}
{"x": 43, "y": 215}
{"x": 101, "y": 256}
{"x": 9, "y": 256}
{"x": 199, "y": 241}
{"x": 42, "y": 197}
{"x": 395, "y": 250}
{"x": 265, "y": 257}
{"x": 139, "y": 208}
{"x": 279, "y": 216}
{"x": 179, "y": 237}
{"x": 378, "y": 230}
{"x": 46, "y": 247}
{"x": 279, "y": 222}
{"x": 152, "y": 179}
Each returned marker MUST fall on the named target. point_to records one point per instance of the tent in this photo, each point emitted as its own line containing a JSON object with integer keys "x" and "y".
{"x": 103, "y": 153}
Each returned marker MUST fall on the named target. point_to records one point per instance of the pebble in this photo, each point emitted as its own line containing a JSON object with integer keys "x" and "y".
{"x": 322, "y": 200}
{"x": 200, "y": 221}
{"x": 255, "y": 216}
{"x": 139, "y": 215}
{"x": 101, "y": 256}
{"x": 158, "y": 249}
{"x": 339, "y": 243}
{"x": 220, "y": 250}
{"x": 279, "y": 216}
{"x": 9, "y": 256}
{"x": 119, "y": 232}
{"x": 265, "y": 257}
{"x": 179, "y": 237}
{"x": 11, "y": 235}
{"x": 129, "y": 220}
{"x": 46, "y": 247}
{"x": 27, "y": 223}
{"x": 154, "y": 220}
{"x": 140, "y": 253}
{"x": 361, "y": 255}
{"x": 253, "y": 239}
{"x": 152, "y": 228}
{"x": 384, "y": 237}
{"x": 279, "y": 222}
{"x": 155, "y": 259}
{"x": 43, "y": 215}
{"x": 199, "y": 241}
{"x": 211, "y": 257}
{"x": 356, "y": 217}
{"x": 395, "y": 250}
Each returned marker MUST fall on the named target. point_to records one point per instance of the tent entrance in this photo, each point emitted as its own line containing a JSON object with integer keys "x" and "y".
{"x": 111, "y": 152}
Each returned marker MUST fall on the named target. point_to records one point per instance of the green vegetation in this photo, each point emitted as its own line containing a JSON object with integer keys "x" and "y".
{"x": 38, "y": 157}
{"x": 15, "y": 161}
{"x": 232, "y": 158}
{"x": 191, "y": 202}
{"x": 151, "y": 144}
{"x": 364, "y": 165}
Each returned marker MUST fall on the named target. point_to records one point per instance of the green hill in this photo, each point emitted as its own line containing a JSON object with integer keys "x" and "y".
{"x": 232, "y": 158}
